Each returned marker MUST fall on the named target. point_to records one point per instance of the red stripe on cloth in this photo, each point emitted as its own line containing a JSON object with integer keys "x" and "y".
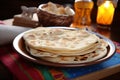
{"x": 117, "y": 47}
{"x": 32, "y": 71}
{"x": 28, "y": 71}
{"x": 57, "y": 74}
{"x": 39, "y": 73}
{"x": 8, "y": 60}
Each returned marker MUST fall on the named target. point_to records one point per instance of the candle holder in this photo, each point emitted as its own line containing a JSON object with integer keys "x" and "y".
{"x": 105, "y": 13}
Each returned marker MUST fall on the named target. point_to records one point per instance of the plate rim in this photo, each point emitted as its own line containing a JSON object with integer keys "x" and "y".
{"x": 43, "y": 62}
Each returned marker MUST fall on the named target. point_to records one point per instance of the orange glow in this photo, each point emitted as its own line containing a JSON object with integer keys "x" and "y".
{"x": 105, "y": 13}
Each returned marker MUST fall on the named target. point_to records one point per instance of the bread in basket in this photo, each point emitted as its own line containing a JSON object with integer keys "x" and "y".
{"x": 51, "y": 14}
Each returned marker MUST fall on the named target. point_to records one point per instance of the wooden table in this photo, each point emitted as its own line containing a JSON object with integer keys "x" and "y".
{"x": 92, "y": 76}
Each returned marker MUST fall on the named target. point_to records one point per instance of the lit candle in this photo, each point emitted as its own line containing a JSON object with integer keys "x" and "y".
{"x": 105, "y": 13}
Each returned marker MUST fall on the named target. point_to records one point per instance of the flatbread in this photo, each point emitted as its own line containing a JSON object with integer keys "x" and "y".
{"x": 40, "y": 53}
{"x": 91, "y": 54}
{"x": 62, "y": 41}
{"x": 64, "y": 45}
{"x": 97, "y": 54}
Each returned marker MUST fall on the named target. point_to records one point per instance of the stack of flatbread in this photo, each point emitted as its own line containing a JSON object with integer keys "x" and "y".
{"x": 64, "y": 45}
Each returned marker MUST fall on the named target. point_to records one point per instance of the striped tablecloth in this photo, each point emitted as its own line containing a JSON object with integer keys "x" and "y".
{"x": 26, "y": 70}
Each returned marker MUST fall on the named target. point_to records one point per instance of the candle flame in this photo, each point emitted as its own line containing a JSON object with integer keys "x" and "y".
{"x": 107, "y": 4}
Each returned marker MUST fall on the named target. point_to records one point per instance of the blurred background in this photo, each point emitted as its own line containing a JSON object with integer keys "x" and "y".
{"x": 9, "y": 8}
{"x": 12, "y": 7}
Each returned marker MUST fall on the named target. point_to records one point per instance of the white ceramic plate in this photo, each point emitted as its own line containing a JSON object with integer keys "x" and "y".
{"x": 19, "y": 46}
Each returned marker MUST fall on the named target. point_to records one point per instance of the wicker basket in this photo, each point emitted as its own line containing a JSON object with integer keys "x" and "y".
{"x": 49, "y": 19}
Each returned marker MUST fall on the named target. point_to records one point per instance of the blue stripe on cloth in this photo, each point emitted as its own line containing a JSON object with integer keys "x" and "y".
{"x": 79, "y": 71}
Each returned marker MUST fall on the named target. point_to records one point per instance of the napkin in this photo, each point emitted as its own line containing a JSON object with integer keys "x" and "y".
{"x": 8, "y": 33}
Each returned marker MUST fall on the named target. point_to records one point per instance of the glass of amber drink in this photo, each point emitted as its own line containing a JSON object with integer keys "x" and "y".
{"x": 83, "y": 10}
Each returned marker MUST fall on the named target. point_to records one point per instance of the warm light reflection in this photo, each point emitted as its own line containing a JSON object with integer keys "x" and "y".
{"x": 106, "y": 4}
{"x": 105, "y": 13}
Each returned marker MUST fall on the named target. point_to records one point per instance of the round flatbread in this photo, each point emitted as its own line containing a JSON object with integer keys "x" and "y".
{"x": 40, "y": 53}
{"x": 58, "y": 40}
{"x": 64, "y": 45}
{"x": 92, "y": 54}
{"x": 97, "y": 54}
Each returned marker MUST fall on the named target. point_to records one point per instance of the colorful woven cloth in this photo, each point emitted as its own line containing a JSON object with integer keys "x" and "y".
{"x": 23, "y": 69}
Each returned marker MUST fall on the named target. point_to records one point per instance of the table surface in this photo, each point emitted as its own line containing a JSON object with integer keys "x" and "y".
{"x": 94, "y": 75}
